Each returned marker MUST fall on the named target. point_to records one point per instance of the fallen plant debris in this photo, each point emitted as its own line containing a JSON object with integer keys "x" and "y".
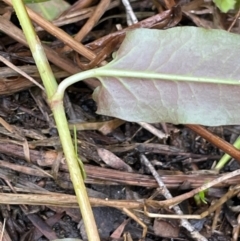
{"x": 128, "y": 201}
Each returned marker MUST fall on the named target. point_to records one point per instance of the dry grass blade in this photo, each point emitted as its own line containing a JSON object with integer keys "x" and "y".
{"x": 113, "y": 161}
{"x": 99, "y": 11}
{"x": 11, "y": 30}
{"x": 63, "y": 200}
{"x": 5, "y": 61}
{"x": 134, "y": 217}
{"x": 216, "y": 140}
{"x": 180, "y": 198}
{"x": 231, "y": 193}
{"x": 58, "y": 33}
{"x": 153, "y": 130}
{"x": 4, "y": 235}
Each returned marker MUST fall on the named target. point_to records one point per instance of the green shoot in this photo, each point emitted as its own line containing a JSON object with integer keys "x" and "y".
{"x": 200, "y": 198}
{"x": 225, "y": 158}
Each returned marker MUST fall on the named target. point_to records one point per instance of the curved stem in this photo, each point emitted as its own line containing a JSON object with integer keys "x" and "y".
{"x": 106, "y": 71}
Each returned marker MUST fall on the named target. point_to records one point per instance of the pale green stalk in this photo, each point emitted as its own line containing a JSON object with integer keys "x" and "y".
{"x": 225, "y": 158}
{"x": 50, "y": 85}
{"x": 106, "y": 71}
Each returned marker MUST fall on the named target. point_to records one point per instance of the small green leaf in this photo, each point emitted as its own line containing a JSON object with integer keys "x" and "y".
{"x": 225, "y": 5}
{"x": 197, "y": 199}
{"x": 200, "y": 198}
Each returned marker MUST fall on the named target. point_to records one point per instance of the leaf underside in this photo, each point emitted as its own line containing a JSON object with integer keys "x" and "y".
{"x": 183, "y": 51}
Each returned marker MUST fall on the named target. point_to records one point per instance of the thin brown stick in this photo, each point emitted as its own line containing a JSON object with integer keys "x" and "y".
{"x": 180, "y": 198}
{"x": 234, "y": 21}
{"x": 110, "y": 176}
{"x": 18, "y": 70}
{"x": 64, "y": 63}
{"x": 134, "y": 217}
{"x": 99, "y": 11}
{"x": 216, "y": 141}
{"x": 165, "y": 192}
{"x": 59, "y": 33}
{"x": 64, "y": 200}
{"x": 11, "y": 30}
{"x": 153, "y": 130}
{"x": 231, "y": 193}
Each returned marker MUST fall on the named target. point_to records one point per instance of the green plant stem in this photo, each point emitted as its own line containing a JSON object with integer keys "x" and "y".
{"x": 225, "y": 158}
{"x": 50, "y": 85}
{"x": 74, "y": 169}
{"x": 106, "y": 71}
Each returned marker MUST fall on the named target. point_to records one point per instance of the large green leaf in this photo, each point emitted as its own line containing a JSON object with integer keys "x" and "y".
{"x": 183, "y": 55}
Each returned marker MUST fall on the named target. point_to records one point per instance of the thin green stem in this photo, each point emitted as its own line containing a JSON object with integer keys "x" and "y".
{"x": 225, "y": 158}
{"x": 34, "y": 43}
{"x": 105, "y": 71}
{"x": 75, "y": 172}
